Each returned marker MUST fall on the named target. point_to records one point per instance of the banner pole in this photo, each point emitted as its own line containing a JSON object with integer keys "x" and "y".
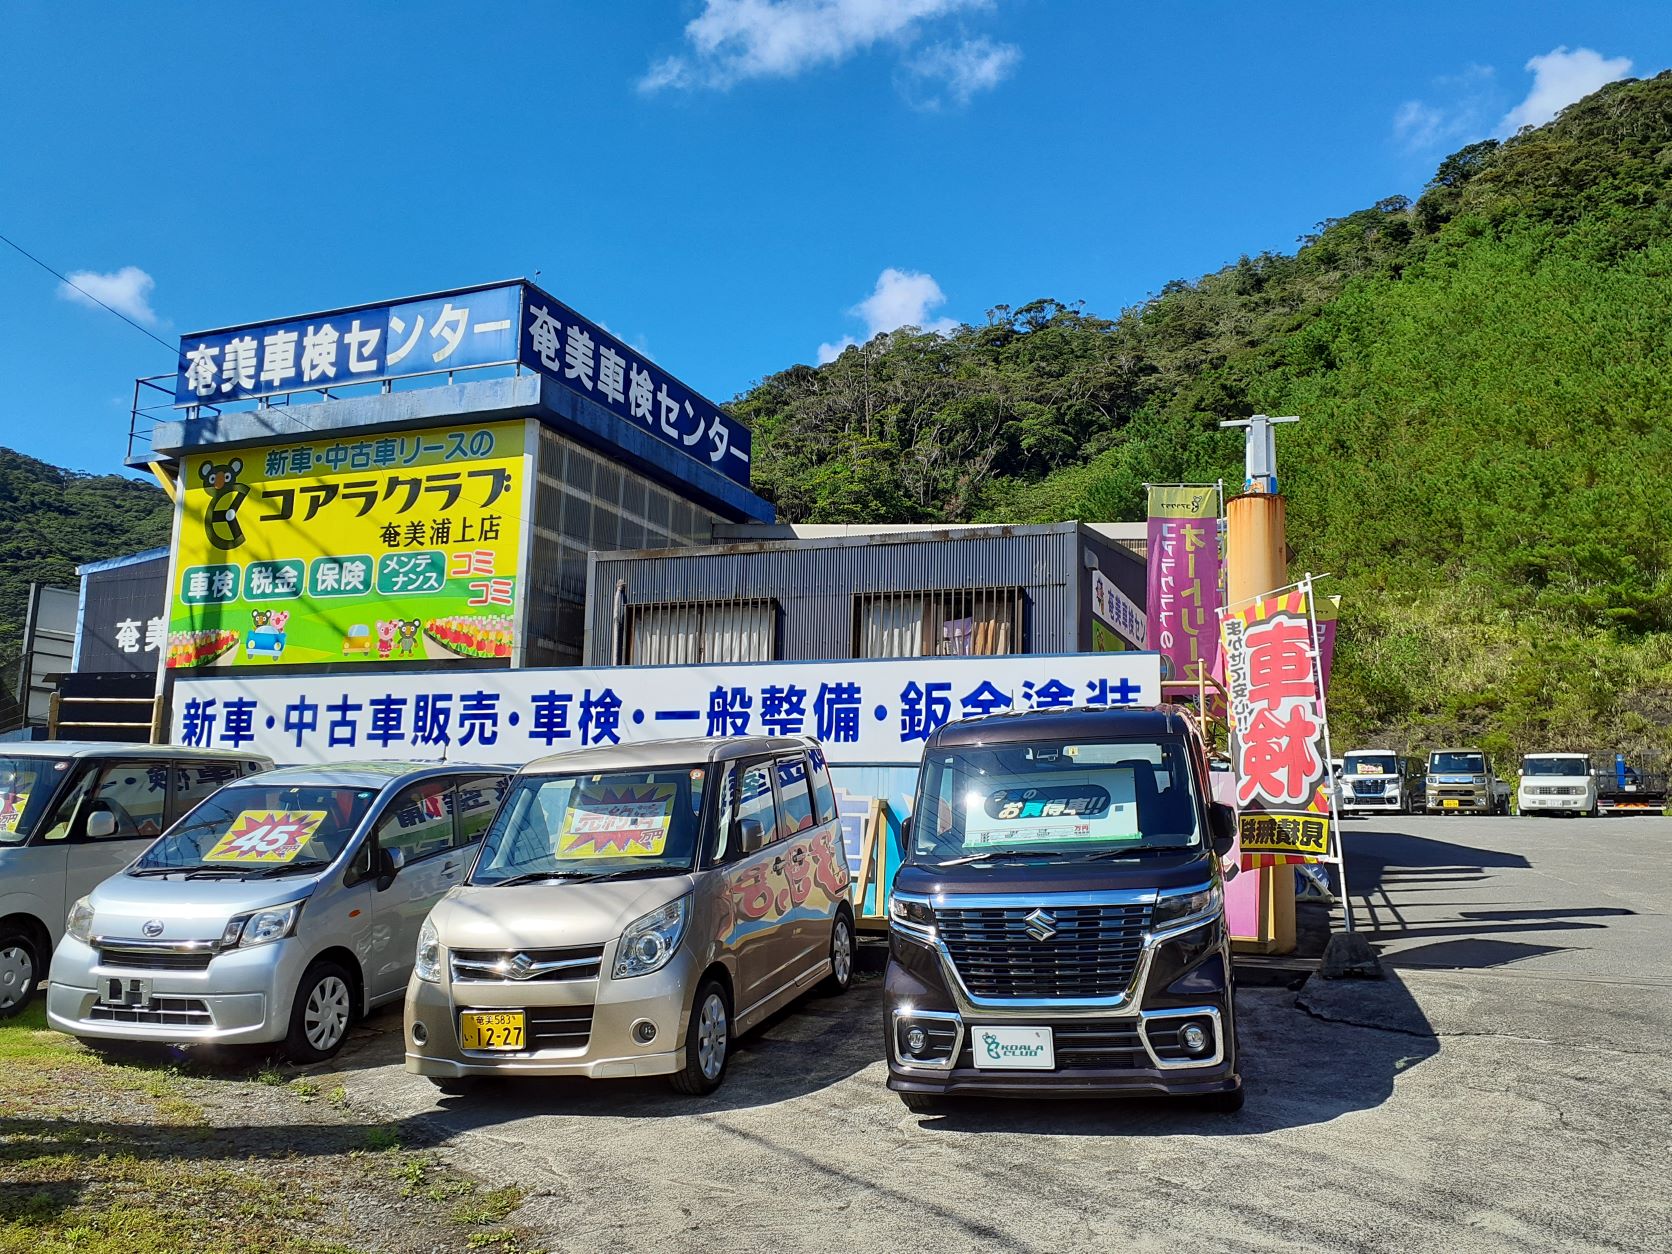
{"x": 1305, "y": 586}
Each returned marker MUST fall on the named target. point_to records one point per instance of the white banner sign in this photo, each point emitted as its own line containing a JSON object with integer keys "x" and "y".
{"x": 1117, "y": 610}
{"x": 866, "y": 712}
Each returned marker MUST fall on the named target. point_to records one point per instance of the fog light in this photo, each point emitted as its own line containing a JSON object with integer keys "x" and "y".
{"x": 917, "y": 1040}
{"x": 420, "y": 1035}
{"x": 1194, "y": 1039}
{"x": 644, "y": 1031}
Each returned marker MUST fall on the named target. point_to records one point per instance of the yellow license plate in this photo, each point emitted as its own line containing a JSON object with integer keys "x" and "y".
{"x": 491, "y": 1029}
{"x": 1451, "y": 803}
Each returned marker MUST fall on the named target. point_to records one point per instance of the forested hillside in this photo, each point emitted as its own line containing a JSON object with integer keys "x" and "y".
{"x": 51, "y": 520}
{"x": 1484, "y": 463}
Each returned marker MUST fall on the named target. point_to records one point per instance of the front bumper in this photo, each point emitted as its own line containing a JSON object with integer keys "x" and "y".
{"x": 1454, "y": 802}
{"x": 1529, "y": 803}
{"x": 1130, "y": 1050}
{"x": 243, "y": 997}
{"x": 597, "y": 1016}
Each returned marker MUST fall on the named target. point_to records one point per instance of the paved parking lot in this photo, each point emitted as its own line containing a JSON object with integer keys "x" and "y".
{"x": 1505, "y": 1089}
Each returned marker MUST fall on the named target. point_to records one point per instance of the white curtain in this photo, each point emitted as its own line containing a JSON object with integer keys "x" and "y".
{"x": 665, "y": 636}
{"x": 738, "y": 633}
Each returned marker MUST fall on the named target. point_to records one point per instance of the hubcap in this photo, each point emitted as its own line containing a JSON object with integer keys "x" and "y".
{"x": 841, "y": 952}
{"x": 711, "y": 1037}
{"x": 17, "y": 975}
{"x": 326, "y": 1018}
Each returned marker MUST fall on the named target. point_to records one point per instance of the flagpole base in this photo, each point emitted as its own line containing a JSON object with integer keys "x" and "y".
{"x": 1348, "y": 956}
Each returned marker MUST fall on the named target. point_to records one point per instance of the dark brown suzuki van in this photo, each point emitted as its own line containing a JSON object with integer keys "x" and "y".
{"x": 1057, "y": 925}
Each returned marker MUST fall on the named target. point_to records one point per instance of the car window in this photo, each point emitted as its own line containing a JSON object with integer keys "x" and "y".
{"x": 755, "y": 806}
{"x": 478, "y": 798}
{"x": 419, "y": 821}
{"x": 795, "y": 797}
{"x": 824, "y": 796}
{"x": 136, "y": 794}
{"x": 194, "y": 781}
{"x": 57, "y": 826}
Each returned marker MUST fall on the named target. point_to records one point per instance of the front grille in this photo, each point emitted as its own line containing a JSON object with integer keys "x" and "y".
{"x": 1093, "y": 951}
{"x": 154, "y": 959}
{"x": 559, "y": 1027}
{"x": 1110, "y": 1045}
{"x": 183, "y": 1012}
{"x": 500, "y": 966}
{"x": 1368, "y": 788}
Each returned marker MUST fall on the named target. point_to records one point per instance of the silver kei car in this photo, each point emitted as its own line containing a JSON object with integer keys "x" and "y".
{"x": 634, "y": 909}
{"x": 280, "y": 909}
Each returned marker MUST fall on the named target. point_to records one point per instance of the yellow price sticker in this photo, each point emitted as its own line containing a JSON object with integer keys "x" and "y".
{"x": 266, "y": 836}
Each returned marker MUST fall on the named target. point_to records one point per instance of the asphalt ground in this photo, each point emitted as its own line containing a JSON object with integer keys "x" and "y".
{"x": 1506, "y": 1088}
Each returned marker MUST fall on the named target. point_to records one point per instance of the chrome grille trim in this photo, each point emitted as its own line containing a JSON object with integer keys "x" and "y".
{"x": 1093, "y": 952}
{"x": 487, "y": 966}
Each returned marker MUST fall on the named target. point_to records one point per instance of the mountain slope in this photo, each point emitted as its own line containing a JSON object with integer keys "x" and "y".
{"x": 1483, "y": 465}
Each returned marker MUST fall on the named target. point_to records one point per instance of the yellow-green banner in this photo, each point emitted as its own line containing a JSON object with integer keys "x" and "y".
{"x": 1183, "y": 501}
{"x": 376, "y": 548}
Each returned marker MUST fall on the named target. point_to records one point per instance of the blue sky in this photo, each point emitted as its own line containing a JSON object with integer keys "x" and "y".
{"x": 732, "y": 185}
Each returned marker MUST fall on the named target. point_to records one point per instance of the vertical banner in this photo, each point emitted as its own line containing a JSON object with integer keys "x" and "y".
{"x": 1326, "y": 610}
{"x": 1182, "y": 594}
{"x": 1279, "y": 736}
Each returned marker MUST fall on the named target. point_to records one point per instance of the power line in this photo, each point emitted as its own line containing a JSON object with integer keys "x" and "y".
{"x": 173, "y": 349}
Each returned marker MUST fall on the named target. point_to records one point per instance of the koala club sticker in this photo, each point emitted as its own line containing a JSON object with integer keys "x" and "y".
{"x": 265, "y": 836}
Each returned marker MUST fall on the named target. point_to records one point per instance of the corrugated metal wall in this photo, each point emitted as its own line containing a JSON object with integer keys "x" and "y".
{"x": 818, "y": 585}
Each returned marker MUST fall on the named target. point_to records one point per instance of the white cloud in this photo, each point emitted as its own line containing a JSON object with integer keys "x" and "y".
{"x": 901, "y": 298}
{"x": 1460, "y": 111}
{"x": 958, "y": 72}
{"x": 127, "y": 291}
{"x": 1559, "y": 78}
{"x": 734, "y": 40}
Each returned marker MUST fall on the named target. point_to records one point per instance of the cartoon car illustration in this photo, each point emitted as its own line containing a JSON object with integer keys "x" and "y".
{"x": 266, "y": 637}
{"x": 358, "y": 640}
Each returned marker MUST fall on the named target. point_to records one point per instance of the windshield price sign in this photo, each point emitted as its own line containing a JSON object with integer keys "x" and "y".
{"x": 266, "y": 836}
{"x": 625, "y": 822}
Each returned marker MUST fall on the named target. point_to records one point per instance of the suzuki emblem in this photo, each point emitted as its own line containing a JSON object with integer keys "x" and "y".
{"x": 1040, "y": 924}
{"x": 521, "y": 967}
{"x": 153, "y": 928}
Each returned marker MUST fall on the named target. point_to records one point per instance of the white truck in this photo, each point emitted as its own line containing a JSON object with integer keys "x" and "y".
{"x": 1557, "y": 783}
{"x": 1376, "y": 781}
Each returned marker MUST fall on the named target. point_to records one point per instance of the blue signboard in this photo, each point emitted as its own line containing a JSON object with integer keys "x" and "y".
{"x": 450, "y": 332}
{"x": 585, "y": 358}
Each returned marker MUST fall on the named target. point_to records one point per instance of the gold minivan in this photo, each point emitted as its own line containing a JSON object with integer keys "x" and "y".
{"x": 633, "y": 909}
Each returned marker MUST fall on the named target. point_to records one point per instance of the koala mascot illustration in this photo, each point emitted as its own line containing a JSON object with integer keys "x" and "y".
{"x": 220, "y": 519}
{"x": 261, "y": 618}
{"x": 409, "y": 635}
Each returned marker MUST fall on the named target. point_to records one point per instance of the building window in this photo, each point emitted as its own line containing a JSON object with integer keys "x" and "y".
{"x": 687, "y": 633}
{"x": 979, "y": 622}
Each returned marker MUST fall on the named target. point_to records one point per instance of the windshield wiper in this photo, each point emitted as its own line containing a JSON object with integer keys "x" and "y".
{"x": 163, "y": 870}
{"x": 1134, "y": 851}
{"x": 634, "y": 872}
{"x": 534, "y": 877}
{"x": 287, "y": 868}
{"x": 985, "y": 854}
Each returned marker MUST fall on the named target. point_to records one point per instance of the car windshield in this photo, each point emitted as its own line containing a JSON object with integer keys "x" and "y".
{"x": 1051, "y": 799}
{"x": 262, "y": 828}
{"x": 1555, "y": 766}
{"x": 1372, "y": 764}
{"x": 591, "y": 826}
{"x": 26, "y": 788}
{"x": 1452, "y": 763}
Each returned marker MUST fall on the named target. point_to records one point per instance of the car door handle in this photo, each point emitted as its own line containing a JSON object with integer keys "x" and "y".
{"x": 449, "y": 866}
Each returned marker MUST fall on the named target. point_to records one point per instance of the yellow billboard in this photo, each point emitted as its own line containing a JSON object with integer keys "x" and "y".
{"x": 351, "y": 547}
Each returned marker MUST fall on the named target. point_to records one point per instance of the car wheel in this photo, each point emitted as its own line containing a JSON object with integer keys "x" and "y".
{"x": 923, "y": 1103}
{"x": 20, "y": 972}
{"x": 321, "y": 1015}
{"x": 1227, "y": 1103}
{"x": 841, "y": 956}
{"x": 707, "y": 1042}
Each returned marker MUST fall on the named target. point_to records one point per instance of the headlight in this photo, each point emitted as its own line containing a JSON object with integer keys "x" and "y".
{"x": 427, "y": 964}
{"x": 913, "y": 913}
{"x": 259, "y": 927}
{"x": 80, "y": 922}
{"x": 1480, "y": 779}
{"x": 651, "y": 939}
{"x": 1188, "y": 907}
{"x": 1433, "y": 779}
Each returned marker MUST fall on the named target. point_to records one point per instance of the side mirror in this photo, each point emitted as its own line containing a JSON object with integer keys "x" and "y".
{"x": 902, "y": 842}
{"x": 751, "y": 835}
{"x": 1222, "y": 820}
{"x": 389, "y": 864}
{"x": 101, "y": 825}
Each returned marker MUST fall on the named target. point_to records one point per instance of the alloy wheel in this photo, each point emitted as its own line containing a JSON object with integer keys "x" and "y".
{"x": 841, "y": 952}
{"x": 326, "y": 1018}
{"x": 711, "y": 1037}
{"x": 17, "y": 975}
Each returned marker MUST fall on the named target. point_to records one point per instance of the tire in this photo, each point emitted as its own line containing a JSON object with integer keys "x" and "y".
{"x": 707, "y": 1042}
{"x": 840, "y": 978}
{"x": 322, "y": 1013}
{"x": 20, "y": 971}
{"x": 1222, "y": 1103}
{"x": 922, "y": 1103}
